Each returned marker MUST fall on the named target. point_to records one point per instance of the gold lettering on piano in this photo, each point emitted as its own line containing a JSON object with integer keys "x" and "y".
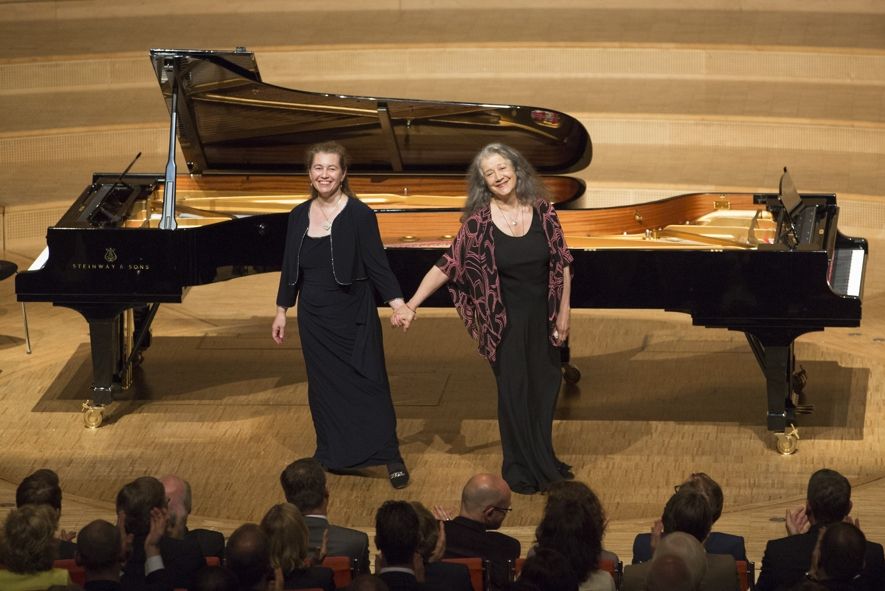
{"x": 137, "y": 267}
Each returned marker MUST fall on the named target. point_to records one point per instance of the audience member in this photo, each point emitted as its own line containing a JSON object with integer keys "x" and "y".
{"x": 839, "y": 557}
{"x": 136, "y": 501}
{"x": 247, "y": 555}
{"x": 786, "y": 560}
{"x": 304, "y": 484}
{"x": 28, "y": 548}
{"x": 289, "y": 552}
{"x": 548, "y": 570}
{"x": 573, "y": 524}
{"x": 689, "y": 512}
{"x": 178, "y": 493}
{"x": 716, "y": 542}
{"x": 101, "y": 552}
{"x": 397, "y": 537}
{"x": 485, "y": 502}
{"x": 679, "y": 564}
{"x": 215, "y": 578}
{"x": 432, "y": 545}
{"x": 43, "y": 488}
{"x": 367, "y": 583}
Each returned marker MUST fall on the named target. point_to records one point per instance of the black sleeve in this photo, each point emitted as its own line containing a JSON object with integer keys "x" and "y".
{"x": 286, "y": 292}
{"x": 371, "y": 249}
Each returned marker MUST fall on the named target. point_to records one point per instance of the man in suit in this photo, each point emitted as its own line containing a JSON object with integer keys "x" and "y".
{"x": 397, "y": 535}
{"x": 688, "y": 511}
{"x": 485, "y": 502}
{"x": 716, "y": 542}
{"x": 828, "y": 501}
{"x": 304, "y": 484}
{"x": 179, "y": 496}
{"x": 136, "y": 502}
{"x": 42, "y": 488}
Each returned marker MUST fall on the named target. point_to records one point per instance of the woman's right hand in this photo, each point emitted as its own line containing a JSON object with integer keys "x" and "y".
{"x": 402, "y": 317}
{"x": 278, "y": 330}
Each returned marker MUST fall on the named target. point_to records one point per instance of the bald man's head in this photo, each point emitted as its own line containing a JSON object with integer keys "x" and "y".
{"x": 486, "y": 498}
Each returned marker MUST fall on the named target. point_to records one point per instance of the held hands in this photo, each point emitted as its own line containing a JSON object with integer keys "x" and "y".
{"x": 402, "y": 317}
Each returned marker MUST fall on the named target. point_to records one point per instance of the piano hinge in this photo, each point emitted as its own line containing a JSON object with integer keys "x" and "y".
{"x": 722, "y": 203}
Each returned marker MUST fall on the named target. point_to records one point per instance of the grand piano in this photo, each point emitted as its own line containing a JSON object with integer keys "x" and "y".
{"x": 773, "y": 266}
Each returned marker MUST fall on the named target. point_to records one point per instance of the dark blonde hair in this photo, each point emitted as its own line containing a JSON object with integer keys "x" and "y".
{"x": 428, "y": 528}
{"x": 529, "y": 186}
{"x": 27, "y": 545}
{"x": 287, "y": 536}
{"x": 343, "y": 160}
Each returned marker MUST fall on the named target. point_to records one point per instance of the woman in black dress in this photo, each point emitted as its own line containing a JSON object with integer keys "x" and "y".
{"x": 333, "y": 262}
{"x": 508, "y": 273}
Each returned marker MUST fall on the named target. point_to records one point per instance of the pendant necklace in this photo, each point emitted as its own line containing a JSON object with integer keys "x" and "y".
{"x": 328, "y": 225}
{"x": 511, "y": 223}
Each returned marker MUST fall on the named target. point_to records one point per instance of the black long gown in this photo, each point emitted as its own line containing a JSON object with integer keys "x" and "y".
{"x": 527, "y": 365}
{"x": 352, "y": 414}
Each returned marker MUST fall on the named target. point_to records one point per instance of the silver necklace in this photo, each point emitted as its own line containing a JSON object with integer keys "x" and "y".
{"x": 328, "y": 225}
{"x": 511, "y": 223}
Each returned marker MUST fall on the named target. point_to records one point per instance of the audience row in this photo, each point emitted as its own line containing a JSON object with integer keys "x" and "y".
{"x": 151, "y": 548}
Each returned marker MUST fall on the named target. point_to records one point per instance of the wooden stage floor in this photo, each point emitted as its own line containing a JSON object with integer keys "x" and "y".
{"x": 218, "y": 403}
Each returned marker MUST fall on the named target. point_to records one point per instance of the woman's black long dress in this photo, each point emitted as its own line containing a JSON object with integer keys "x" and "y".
{"x": 527, "y": 365}
{"x": 352, "y": 414}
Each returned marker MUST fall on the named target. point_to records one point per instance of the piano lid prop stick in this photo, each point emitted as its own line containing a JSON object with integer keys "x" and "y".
{"x": 167, "y": 222}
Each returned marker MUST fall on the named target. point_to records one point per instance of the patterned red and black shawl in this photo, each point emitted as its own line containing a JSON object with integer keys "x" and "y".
{"x": 473, "y": 283}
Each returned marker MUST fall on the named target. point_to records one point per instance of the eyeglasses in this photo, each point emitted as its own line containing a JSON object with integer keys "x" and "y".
{"x": 502, "y": 509}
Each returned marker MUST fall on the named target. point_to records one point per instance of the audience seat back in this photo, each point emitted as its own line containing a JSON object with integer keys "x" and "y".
{"x": 746, "y": 574}
{"x": 477, "y": 568}
{"x": 342, "y": 569}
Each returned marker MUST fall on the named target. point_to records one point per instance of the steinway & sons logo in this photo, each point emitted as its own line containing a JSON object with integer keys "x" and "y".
{"x": 111, "y": 263}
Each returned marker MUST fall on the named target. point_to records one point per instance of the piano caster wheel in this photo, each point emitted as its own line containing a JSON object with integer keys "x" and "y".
{"x": 92, "y": 415}
{"x": 788, "y": 442}
{"x": 570, "y": 373}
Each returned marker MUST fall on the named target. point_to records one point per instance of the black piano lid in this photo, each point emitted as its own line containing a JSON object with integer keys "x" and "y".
{"x": 232, "y": 122}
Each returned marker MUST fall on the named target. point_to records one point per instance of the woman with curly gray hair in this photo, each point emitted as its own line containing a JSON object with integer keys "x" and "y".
{"x": 508, "y": 271}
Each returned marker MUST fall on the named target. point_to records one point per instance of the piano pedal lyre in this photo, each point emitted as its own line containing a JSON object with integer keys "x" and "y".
{"x": 787, "y": 443}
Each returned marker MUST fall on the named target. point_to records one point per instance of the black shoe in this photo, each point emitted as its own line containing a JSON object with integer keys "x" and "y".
{"x": 398, "y": 475}
{"x": 564, "y": 470}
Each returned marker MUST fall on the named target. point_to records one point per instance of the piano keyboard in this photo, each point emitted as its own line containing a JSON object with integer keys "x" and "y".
{"x": 846, "y": 271}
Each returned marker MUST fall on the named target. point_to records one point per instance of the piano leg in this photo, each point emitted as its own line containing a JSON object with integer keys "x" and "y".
{"x": 107, "y": 340}
{"x": 774, "y": 353}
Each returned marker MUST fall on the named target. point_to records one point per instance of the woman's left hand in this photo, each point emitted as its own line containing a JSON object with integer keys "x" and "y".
{"x": 560, "y": 333}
